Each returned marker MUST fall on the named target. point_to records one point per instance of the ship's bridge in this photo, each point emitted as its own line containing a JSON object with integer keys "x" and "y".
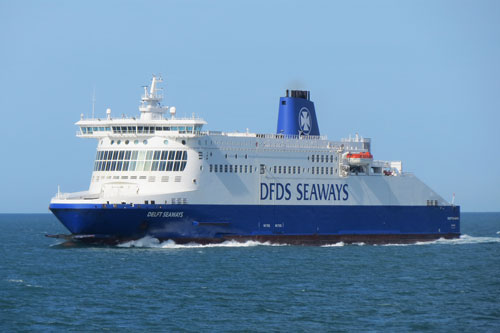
{"x": 152, "y": 119}
{"x": 97, "y": 128}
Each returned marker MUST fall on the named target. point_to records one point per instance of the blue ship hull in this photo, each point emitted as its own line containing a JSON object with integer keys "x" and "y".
{"x": 279, "y": 224}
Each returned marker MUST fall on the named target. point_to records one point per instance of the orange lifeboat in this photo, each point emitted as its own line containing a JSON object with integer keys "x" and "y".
{"x": 359, "y": 158}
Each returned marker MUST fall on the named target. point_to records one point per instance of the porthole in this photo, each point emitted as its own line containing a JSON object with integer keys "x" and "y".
{"x": 236, "y": 156}
{"x": 165, "y": 142}
{"x": 136, "y": 142}
{"x": 246, "y": 156}
{"x": 225, "y": 156}
{"x": 145, "y": 142}
{"x": 112, "y": 141}
{"x": 183, "y": 142}
{"x": 127, "y": 142}
{"x": 118, "y": 142}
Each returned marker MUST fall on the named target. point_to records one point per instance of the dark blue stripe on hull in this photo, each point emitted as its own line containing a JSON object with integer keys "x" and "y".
{"x": 210, "y": 223}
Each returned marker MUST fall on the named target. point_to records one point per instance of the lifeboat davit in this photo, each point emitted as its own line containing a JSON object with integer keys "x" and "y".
{"x": 362, "y": 158}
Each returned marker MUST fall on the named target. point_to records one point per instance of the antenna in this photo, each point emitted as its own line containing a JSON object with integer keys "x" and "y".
{"x": 93, "y": 103}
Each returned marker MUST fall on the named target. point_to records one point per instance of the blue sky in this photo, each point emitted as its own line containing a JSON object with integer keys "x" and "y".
{"x": 421, "y": 78}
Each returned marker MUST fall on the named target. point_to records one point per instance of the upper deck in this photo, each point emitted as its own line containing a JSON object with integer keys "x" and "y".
{"x": 156, "y": 122}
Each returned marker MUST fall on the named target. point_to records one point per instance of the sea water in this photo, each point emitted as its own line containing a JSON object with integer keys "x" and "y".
{"x": 146, "y": 285}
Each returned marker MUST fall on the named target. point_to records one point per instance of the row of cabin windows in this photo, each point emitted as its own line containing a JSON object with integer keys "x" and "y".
{"x": 229, "y": 168}
{"x": 323, "y": 158}
{"x": 140, "y": 165}
{"x": 323, "y": 171}
{"x": 286, "y": 169}
{"x": 140, "y": 155}
{"x": 296, "y": 170}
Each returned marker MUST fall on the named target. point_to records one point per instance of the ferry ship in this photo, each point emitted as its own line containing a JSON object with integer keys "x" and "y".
{"x": 167, "y": 177}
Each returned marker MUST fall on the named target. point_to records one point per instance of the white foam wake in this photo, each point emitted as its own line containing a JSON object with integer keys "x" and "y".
{"x": 339, "y": 244}
{"x": 464, "y": 239}
{"x": 151, "y": 242}
{"x": 334, "y": 244}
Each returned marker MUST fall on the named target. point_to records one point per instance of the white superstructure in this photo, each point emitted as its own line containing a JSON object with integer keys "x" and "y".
{"x": 159, "y": 158}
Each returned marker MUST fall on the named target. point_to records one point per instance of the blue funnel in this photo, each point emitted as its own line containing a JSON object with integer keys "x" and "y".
{"x": 297, "y": 115}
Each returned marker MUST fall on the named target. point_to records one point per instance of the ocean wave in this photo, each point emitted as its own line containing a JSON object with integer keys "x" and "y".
{"x": 151, "y": 242}
{"x": 24, "y": 283}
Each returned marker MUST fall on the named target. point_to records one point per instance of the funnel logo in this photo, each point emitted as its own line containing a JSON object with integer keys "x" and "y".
{"x": 305, "y": 121}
